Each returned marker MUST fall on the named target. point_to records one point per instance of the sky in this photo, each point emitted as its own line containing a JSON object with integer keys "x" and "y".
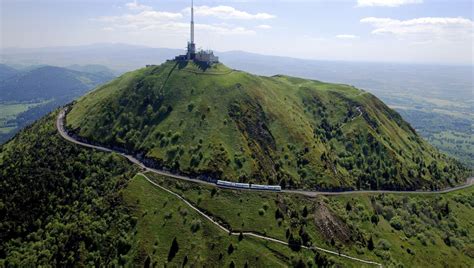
{"x": 417, "y": 31}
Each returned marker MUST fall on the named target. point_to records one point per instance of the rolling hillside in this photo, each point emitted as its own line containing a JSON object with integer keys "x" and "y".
{"x": 227, "y": 124}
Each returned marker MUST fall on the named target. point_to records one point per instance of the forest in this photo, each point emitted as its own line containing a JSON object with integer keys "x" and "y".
{"x": 59, "y": 203}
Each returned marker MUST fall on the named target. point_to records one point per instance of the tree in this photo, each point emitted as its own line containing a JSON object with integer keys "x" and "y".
{"x": 278, "y": 214}
{"x": 185, "y": 260}
{"x": 241, "y": 236}
{"x": 370, "y": 244}
{"x": 446, "y": 209}
{"x": 294, "y": 243}
{"x": 173, "y": 249}
{"x": 374, "y": 219}
{"x": 147, "y": 262}
{"x": 348, "y": 206}
{"x": 305, "y": 212}
{"x": 304, "y": 236}
{"x": 230, "y": 249}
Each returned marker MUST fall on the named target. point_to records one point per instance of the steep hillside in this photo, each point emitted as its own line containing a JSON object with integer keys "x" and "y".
{"x": 280, "y": 130}
{"x": 59, "y": 203}
{"x": 46, "y": 83}
{"x": 62, "y": 205}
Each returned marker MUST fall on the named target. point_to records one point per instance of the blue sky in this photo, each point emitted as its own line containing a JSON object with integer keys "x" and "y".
{"x": 421, "y": 31}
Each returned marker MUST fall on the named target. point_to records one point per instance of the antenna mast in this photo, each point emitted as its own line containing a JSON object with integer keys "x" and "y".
{"x": 191, "y": 45}
{"x": 192, "y": 21}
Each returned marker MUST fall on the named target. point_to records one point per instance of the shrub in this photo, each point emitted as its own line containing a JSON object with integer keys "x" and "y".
{"x": 265, "y": 206}
{"x": 388, "y": 213}
{"x": 261, "y": 212}
{"x": 230, "y": 249}
{"x": 190, "y": 107}
{"x": 384, "y": 244}
{"x": 397, "y": 223}
{"x": 374, "y": 219}
{"x": 195, "y": 225}
{"x": 422, "y": 239}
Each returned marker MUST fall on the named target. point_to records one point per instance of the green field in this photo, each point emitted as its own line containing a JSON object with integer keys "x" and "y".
{"x": 161, "y": 218}
{"x": 10, "y": 112}
{"x": 410, "y": 230}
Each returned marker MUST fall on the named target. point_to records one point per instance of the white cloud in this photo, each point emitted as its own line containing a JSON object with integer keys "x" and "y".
{"x": 428, "y": 28}
{"x": 386, "y": 3}
{"x": 264, "y": 27}
{"x": 168, "y": 23}
{"x": 142, "y": 18}
{"x": 346, "y": 36}
{"x": 136, "y": 6}
{"x": 227, "y": 12}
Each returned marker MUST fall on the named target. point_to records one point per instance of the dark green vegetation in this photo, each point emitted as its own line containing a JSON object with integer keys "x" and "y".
{"x": 277, "y": 130}
{"x": 59, "y": 203}
{"x": 407, "y": 230}
{"x": 27, "y": 95}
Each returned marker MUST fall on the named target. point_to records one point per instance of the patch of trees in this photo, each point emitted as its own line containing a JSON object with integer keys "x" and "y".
{"x": 60, "y": 203}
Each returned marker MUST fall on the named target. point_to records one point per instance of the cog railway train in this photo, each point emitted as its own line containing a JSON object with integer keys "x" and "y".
{"x": 228, "y": 184}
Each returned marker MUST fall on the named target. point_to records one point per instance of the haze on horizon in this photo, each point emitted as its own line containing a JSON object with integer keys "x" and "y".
{"x": 415, "y": 31}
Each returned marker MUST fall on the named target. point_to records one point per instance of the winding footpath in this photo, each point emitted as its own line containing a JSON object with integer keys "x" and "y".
{"x": 60, "y": 127}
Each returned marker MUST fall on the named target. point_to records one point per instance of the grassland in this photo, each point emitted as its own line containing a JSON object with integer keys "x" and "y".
{"x": 407, "y": 230}
{"x": 278, "y": 130}
{"x": 9, "y": 112}
{"x": 161, "y": 218}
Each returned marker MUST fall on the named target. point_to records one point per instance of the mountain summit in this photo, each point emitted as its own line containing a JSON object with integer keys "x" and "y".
{"x": 214, "y": 121}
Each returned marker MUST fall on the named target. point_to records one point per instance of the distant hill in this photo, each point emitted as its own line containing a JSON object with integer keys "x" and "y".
{"x": 119, "y": 57}
{"x": 282, "y": 130}
{"x": 6, "y": 72}
{"x": 47, "y": 83}
{"x": 92, "y": 68}
{"x": 46, "y": 87}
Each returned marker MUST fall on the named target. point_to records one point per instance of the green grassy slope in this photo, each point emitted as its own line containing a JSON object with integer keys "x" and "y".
{"x": 64, "y": 205}
{"x": 279, "y": 130}
{"x": 161, "y": 218}
{"x": 411, "y": 230}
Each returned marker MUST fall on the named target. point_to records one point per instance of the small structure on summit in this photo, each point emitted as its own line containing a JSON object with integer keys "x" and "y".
{"x": 201, "y": 56}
